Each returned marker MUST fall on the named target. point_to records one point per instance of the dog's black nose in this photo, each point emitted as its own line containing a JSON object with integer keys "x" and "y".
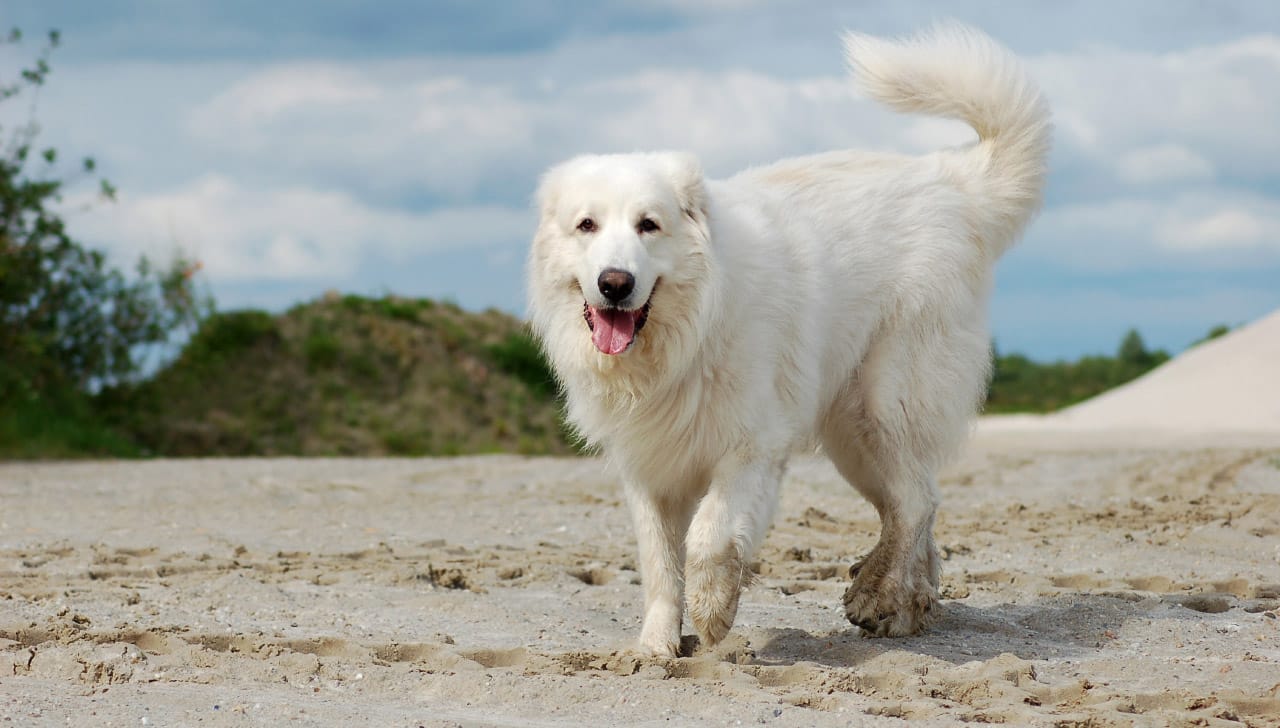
{"x": 616, "y": 284}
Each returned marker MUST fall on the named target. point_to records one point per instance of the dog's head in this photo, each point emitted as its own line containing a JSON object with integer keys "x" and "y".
{"x": 619, "y": 235}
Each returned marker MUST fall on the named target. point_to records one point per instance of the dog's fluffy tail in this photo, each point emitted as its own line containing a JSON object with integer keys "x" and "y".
{"x": 958, "y": 72}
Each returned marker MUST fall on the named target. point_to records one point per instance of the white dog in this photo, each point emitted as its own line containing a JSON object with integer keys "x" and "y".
{"x": 704, "y": 330}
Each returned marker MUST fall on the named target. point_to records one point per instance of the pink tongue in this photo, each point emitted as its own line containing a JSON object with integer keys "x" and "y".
{"x": 614, "y": 329}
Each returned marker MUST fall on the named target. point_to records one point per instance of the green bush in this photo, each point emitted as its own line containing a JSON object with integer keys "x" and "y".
{"x": 354, "y": 303}
{"x": 69, "y": 319}
{"x": 399, "y": 442}
{"x": 520, "y": 356}
{"x": 321, "y": 349}
{"x": 59, "y": 427}
{"x": 403, "y": 309}
{"x": 71, "y": 323}
{"x": 1215, "y": 332}
{"x": 229, "y": 333}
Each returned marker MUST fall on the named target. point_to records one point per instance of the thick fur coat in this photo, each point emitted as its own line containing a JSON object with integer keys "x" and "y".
{"x": 704, "y": 330}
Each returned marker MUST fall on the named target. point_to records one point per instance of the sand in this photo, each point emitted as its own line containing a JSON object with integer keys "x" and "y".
{"x": 1223, "y": 391}
{"x": 1114, "y": 585}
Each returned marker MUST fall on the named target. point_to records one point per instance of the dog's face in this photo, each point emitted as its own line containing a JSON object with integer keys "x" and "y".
{"x": 614, "y": 229}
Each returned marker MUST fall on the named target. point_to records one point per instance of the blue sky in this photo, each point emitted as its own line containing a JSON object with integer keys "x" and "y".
{"x": 296, "y": 147}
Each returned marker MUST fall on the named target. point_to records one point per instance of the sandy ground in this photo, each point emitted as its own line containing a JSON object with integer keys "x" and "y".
{"x": 1112, "y": 585}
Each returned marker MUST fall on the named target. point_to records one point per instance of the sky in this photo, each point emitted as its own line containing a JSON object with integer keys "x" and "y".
{"x": 394, "y": 147}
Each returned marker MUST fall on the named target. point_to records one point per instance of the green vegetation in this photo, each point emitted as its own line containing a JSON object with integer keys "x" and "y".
{"x": 69, "y": 322}
{"x": 520, "y": 356}
{"x": 1021, "y": 385}
{"x": 1215, "y": 332}
{"x": 66, "y": 427}
{"x": 347, "y": 375}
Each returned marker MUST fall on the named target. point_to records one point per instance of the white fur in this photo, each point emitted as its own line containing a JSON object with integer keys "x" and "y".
{"x": 836, "y": 299}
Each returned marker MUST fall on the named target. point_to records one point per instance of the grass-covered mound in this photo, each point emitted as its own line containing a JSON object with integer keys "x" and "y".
{"x": 349, "y": 375}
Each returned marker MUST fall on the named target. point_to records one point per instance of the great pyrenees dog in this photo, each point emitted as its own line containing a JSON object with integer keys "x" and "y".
{"x": 704, "y": 330}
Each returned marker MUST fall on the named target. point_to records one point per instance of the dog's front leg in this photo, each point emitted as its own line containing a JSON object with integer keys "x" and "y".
{"x": 727, "y": 528}
{"x": 661, "y": 521}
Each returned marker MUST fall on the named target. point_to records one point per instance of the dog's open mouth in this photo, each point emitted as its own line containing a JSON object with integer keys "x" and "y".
{"x": 614, "y": 330}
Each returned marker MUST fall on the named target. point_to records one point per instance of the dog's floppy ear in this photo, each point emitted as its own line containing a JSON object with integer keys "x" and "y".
{"x": 691, "y": 188}
{"x": 548, "y": 195}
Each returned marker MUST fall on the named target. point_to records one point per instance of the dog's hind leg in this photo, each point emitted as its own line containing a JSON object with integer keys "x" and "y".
{"x": 910, "y": 411}
{"x": 894, "y": 590}
{"x": 661, "y": 522}
{"x": 728, "y": 526}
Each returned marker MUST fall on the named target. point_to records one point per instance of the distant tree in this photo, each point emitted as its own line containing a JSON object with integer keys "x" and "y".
{"x": 1133, "y": 350}
{"x": 1215, "y": 332}
{"x": 1019, "y": 384}
{"x": 68, "y": 319}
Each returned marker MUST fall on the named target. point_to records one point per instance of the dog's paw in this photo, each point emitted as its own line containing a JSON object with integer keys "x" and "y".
{"x": 658, "y": 645}
{"x": 888, "y": 599}
{"x": 712, "y": 588}
{"x": 660, "y": 635}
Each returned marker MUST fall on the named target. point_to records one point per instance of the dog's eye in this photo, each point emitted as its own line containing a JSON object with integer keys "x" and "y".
{"x": 587, "y": 225}
{"x": 647, "y": 226}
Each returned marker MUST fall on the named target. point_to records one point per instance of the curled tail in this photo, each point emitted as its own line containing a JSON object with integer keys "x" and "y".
{"x": 957, "y": 72}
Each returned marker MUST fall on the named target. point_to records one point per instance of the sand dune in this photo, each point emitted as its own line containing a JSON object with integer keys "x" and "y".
{"x": 1227, "y": 389}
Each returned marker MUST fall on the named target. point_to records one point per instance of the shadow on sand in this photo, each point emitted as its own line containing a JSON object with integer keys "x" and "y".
{"x": 1058, "y": 627}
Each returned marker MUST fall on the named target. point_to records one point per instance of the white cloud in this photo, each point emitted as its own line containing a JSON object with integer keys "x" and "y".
{"x": 455, "y": 137}
{"x": 1195, "y": 111}
{"x": 1162, "y": 164}
{"x": 732, "y": 119}
{"x": 467, "y": 128}
{"x": 242, "y": 233}
{"x": 388, "y": 124}
{"x": 1225, "y": 228}
{"x": 267, "y": 95}
{"x": 1199, "y": 228}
